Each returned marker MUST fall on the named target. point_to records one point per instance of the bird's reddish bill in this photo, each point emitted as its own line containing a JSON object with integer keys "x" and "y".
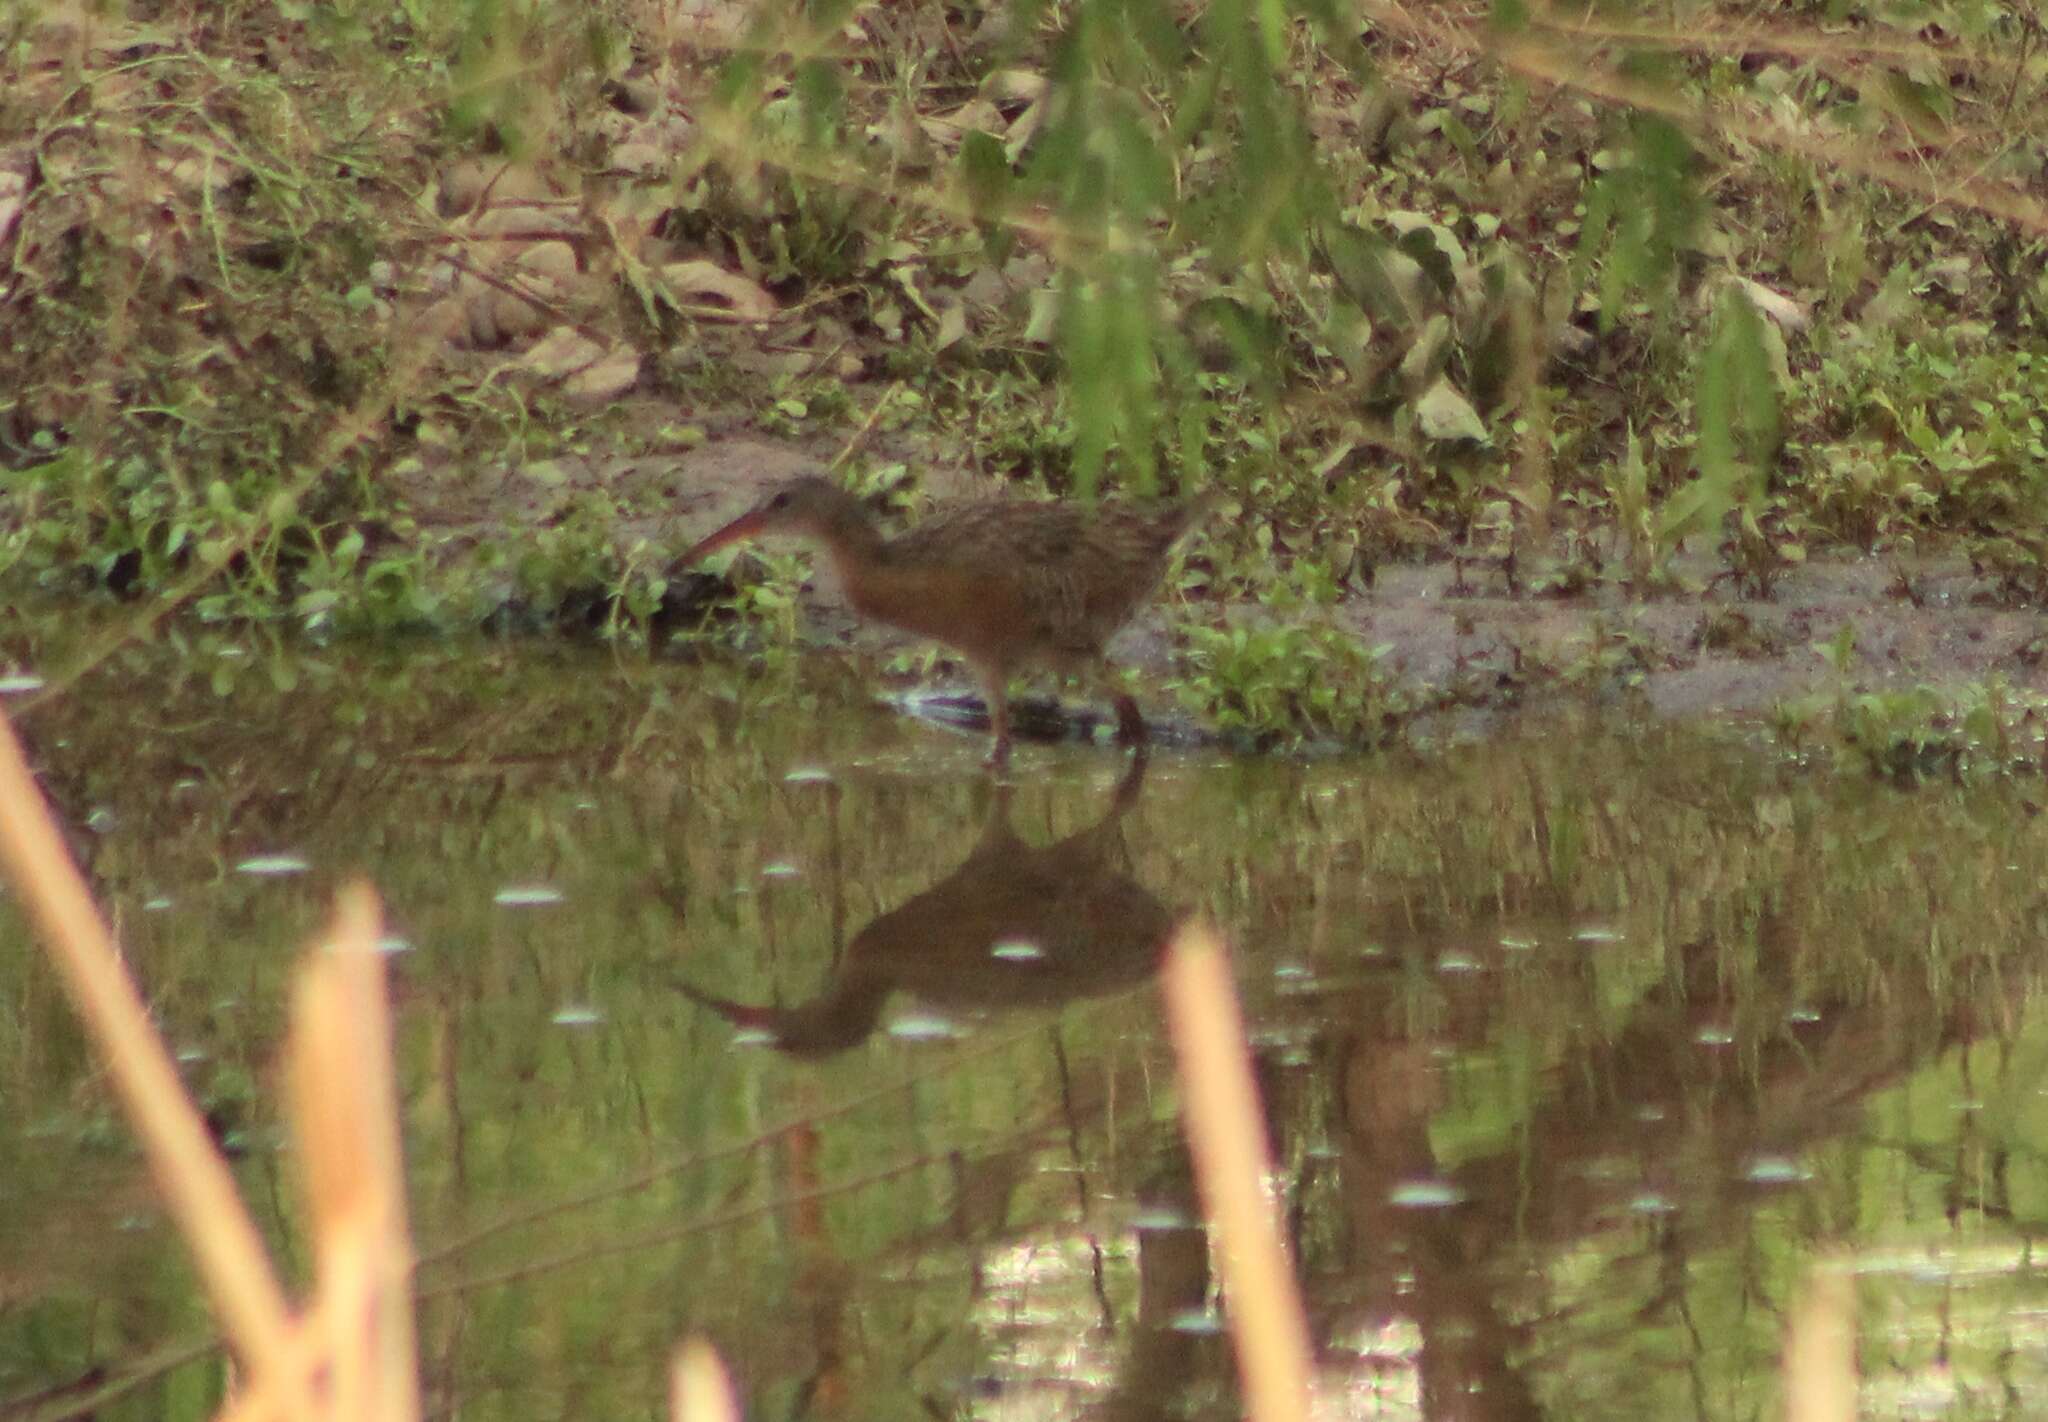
{"x": 743, "y": 526}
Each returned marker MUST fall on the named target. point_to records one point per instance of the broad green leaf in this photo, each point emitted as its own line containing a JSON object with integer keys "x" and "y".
{"x": 985, "y": 176}
{"x": 1379, "y": 279}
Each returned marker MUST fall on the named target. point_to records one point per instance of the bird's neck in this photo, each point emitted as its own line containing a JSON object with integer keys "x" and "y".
{"x": 853, "y": 542}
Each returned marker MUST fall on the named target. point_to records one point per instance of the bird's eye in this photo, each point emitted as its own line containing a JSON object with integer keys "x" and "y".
{"x": 780, "y": 501}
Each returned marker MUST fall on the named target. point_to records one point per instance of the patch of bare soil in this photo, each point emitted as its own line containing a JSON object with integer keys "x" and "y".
{"x": 1921, "y": 622}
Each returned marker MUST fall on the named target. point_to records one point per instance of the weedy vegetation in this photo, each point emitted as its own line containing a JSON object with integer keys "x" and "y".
{"x": 357, "y": 318}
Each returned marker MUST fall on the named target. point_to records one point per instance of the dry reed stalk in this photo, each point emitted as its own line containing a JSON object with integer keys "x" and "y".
{"x": 197, "y": 1186}
{"x": 304, "y": 1358}
{"x": 1820, "y": 1347}
{"x": 357, "y": 1335}
{"x": 344, "y": 1108}
{"x": 699, "y": 1388}
{"x": 1227, "y": 1136}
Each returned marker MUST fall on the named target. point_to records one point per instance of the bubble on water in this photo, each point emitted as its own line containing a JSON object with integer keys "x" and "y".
{"x": 526, "y": 896}
{"x": 577, "y": 1015}
{"x": 1425, "y": 1195}
{"x": 923, "y": 1027}
{"x": 780, "y": 869}
{"x": 1161, "y": 1217}
{"x": 272, "y": 865}
{"x": 1017, "y": 950}
{"x": 808, "y": 775}
{"x": 1775, "y": 1170}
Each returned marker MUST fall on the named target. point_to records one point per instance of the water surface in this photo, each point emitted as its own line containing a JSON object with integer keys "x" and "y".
{"x": 747, "y": 1006}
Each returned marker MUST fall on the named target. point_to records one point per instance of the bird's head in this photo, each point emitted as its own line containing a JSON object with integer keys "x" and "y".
{"x": 807, "y": 506}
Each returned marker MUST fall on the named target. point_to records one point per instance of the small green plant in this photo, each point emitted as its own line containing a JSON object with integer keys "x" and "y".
{"x": 764, "y": 603}
{"x": 1908, "y": 734}
{"x": 1902, "y": 735}
{"x": 1612, "y": 657}
{"x": 1289, "y": 684}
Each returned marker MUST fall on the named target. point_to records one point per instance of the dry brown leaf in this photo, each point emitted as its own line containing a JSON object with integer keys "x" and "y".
{"x": 467, "y": 182}
{"x": 604, "y": 381}
{"x": 1789, "y": 314}
{"x": 520, "y": 298}
{"x": 16, "y": 164}
{"x": 695, "y": 282}
{"x": 1014, "y": 86}
{"x": 638, "y": 156}
{"x": 561, "y": 353}
{"x": 648, "y": 145}
{"x": 715, "y": 22}
{"x": 952, "y": 325}
{"x": 974, "y": 116}
{"x": 589, "y": 372}
{"x": 526, "y": 219}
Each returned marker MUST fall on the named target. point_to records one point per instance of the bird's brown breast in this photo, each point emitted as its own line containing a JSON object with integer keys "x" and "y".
{"x": 978, "y": 614}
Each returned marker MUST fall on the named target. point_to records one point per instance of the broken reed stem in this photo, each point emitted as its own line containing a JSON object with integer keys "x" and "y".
{"x": 1227, "y": 1136}
{"x": 196, "y": 1183}
{"x": 699, "y": 1388}
{"x": 1820, "y": 1346}
{"x": 344, "y": 1113}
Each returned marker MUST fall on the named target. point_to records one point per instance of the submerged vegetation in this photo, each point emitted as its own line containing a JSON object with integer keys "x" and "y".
{"x": 367, "y": 318}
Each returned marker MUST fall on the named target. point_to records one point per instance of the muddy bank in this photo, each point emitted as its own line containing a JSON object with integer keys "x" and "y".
{"x": 1453, "y": 637}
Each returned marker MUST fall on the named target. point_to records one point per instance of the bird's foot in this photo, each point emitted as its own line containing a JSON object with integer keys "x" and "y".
{"x": 998, "y": 757}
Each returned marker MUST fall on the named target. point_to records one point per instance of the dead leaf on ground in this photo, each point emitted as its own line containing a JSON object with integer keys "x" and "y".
{"x": 471, "y": 183}
{"x": 952, "y": 325}
{"x": 513, "y": 299}
{"x": 650, "y": 145}
{"x": 589, "y": 372}
{"x": 16, "y": 165}
{"x": 1789, "y": 314}
{"x": 1443, "y": 413}
{"x": 693, "y": 283}
{"x": 718, "y": 23}
{"x": 606, "y": 379}
{"x": 1014, "y": 86}
{"x": 974, "y": 116}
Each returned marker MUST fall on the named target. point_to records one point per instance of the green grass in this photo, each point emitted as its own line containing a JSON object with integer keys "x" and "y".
{"x": 1409, "y": 288}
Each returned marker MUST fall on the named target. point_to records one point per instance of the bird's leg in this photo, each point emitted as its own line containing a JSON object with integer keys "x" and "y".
{"x": 995, "y": 689}
{"x": 1130, "y": 725}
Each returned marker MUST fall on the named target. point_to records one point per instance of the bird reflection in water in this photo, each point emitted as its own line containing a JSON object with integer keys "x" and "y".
{"x": 1013, "y": 926}
{"x": 1007, "y": 584}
